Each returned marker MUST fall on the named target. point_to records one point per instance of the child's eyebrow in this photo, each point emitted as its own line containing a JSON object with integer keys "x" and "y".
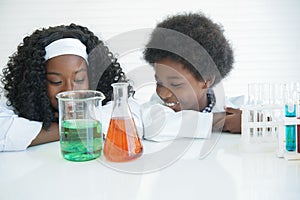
{"x": 52, "y": 73}
{"x": 56, "y": 73}
{"x": 174, "y": 77}
{"x": 81, "y": 70}
{"x": 169, "y": 77}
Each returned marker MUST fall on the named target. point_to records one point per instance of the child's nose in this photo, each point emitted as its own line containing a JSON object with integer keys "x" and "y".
{"x": 164, "y": 92}
{"x": 69, "y": 86}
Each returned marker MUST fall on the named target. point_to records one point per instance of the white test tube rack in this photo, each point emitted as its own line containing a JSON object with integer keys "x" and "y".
{"x": 263, "y": 130}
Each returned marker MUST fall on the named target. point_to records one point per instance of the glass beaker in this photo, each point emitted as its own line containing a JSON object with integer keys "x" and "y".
{"x": 122, "y": 142}
{"x": 79, "y": 125}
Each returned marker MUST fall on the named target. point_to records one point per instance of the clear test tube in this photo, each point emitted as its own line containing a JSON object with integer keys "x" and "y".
{"x": 278, "y": 116}
{"x": 260, "y": 122}
{"x": 266, "y": 114}
{"x": 250, "y": 113}
{"x": 255, "y": 128}
{"x": 268, "y": 119}
{"x": 277, "y": 96}
{"x": 251, "y": 94}
{"x": 254, "y": 95}
{"x": 264, "y": 93}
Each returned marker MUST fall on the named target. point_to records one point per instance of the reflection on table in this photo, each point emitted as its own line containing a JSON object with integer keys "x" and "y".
{"x": 225, "y": 173}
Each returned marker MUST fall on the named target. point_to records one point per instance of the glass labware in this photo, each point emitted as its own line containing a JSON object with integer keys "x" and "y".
{"x": 79, "y": 124}
{"x": 122, "y": 142}
{"x": 290, "y": 112}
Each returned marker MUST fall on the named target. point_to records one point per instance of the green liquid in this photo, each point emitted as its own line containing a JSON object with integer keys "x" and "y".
{"x": 81, "y": 140}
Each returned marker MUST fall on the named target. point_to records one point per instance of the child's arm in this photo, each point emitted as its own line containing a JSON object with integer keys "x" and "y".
{"x": 16, "y": 132}
{"x": 218, "y": 121}
{"x": 232, "y": 120}
{"x": 45, "y": 136}
{"x": 163, "y": 124}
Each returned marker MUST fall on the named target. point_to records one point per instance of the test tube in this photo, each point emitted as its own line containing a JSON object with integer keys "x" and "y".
{"x": 260, "y": 119}
{"x": 269, "y": 119}
{"x": 251, "y": 94}
{"x": 290, "y": 111}
{"x": 254, "y": 93}
{"x": 264, "y": 93}
{"x": 252, "y": 101}
{"x": 298, "y": 126}
{"x": 277, "y": 93}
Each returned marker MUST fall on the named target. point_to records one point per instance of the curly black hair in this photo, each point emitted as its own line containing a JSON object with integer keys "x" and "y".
{"x": 195, "y": 41}
{"x": 24, "y": 78}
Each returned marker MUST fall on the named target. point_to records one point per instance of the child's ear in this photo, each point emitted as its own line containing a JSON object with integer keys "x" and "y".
{"x": 208, "y": 83}
{"x": 203, "y": 84}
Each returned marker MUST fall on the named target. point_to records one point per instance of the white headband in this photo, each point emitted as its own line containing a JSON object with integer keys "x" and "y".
{"x": 66, "y": 46}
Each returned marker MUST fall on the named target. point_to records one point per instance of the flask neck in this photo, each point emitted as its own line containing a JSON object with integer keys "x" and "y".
{"x": 121, "y": 107}
{"x": 120, "y": 92}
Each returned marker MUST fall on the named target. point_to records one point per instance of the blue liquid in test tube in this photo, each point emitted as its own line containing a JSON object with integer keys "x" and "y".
{"x": 290, "y": 110}
{"x": 290, "y": 130}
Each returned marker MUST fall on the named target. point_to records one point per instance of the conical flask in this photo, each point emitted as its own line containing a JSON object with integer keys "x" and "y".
{"x": 122, "y": 142}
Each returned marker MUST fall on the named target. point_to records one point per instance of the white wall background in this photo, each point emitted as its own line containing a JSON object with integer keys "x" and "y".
{"x": 265, "y": 34}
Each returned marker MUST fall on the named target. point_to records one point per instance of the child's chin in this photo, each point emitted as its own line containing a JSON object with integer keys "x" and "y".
{"x": 175, "y": 108}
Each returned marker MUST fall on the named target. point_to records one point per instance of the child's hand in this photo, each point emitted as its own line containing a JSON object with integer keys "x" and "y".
{"x": 232, "y": 120}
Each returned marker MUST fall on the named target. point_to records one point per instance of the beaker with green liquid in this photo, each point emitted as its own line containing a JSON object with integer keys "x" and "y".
{"x": 80, "y": 125}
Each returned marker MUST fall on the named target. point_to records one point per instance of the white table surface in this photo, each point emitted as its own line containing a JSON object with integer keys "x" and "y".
{"x": 226, "y": 173}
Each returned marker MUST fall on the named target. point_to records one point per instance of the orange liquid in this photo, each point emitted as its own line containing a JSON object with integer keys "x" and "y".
{"x": 122, "y": 142}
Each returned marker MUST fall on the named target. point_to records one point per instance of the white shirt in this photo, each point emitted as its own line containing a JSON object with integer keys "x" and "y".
{"x": 161, "y": 123}
{"x": 16, "y": 133}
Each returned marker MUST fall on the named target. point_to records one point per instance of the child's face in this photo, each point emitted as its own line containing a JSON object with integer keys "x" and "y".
{"x": 64, "y": 73}
{"x": 178, "y": 88}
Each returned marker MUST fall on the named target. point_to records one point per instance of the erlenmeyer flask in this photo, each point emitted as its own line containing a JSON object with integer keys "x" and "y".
{"x": 122, "y": 142}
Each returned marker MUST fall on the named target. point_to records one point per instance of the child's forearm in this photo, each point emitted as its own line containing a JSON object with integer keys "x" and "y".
{"x": 45, "y": 136}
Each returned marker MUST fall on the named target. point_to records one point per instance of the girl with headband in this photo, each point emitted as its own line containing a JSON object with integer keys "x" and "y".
{"x": 49, "y": 61}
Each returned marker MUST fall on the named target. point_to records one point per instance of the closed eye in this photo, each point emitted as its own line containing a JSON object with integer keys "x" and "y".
{"x": 176, "y": 84}
{"x": 54, "y": 82}
{"x": 79, "y": 80}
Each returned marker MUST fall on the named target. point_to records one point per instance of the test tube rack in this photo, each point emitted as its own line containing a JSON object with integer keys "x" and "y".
{"x": 263, "y": 130}
{"x": 281, "y": 150}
